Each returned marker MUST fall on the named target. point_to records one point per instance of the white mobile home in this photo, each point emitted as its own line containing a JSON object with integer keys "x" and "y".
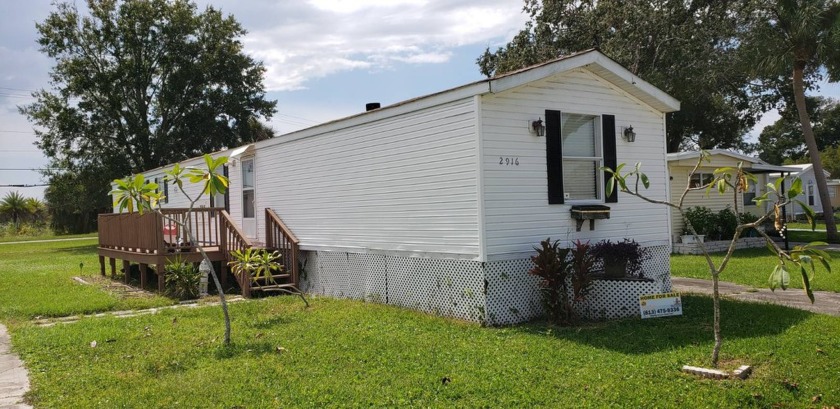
{"x": 436, "y": 203}
{"x": 810, "y": 193}
{"x": 680, "y": 166}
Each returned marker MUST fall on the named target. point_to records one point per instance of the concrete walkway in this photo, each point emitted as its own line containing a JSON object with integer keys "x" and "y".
{"x": 825, "y": 302}
{"x": 13, "y": 378}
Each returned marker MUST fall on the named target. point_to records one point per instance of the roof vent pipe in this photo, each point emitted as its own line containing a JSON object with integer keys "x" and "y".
{"x": 370, "y": 106}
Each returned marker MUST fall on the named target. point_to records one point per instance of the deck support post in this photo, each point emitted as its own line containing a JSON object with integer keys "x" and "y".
{"x": 223, "y": 273}
{"x": 245, "y": 282}
{"x": 127, "y": 271}
{"x": 102, "y": 265}
{"x": 143, "y": 271}
{"x": 161, "y": 272}
{"x": 113, "y": 263}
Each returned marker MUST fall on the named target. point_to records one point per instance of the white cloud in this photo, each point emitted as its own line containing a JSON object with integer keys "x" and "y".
{"x": 324, "y": 37}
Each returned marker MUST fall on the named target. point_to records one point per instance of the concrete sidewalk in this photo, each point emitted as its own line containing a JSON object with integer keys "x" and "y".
{"x": 13, "y": 377}
{"x": 826, "y": 302}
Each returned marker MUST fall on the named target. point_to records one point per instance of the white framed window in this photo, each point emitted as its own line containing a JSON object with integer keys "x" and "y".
{"x": 810, "y": 193}
{"x": 701, "y": 179}
{"x": 248, "y": 188}
{"x": 750, "y": 194}
{"x": 582, "y": 157}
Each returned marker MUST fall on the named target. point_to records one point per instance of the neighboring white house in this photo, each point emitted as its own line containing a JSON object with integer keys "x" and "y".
{"x": 811, "y": 195}
{"x": 436, "y": 203}
{"x": 680, "y": 166}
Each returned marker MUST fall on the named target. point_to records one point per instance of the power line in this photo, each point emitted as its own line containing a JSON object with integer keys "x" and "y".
{"x": 19, "y": 89}
{"x": 3, "y": 94}
{"x": 32, "y": 170}
{"x": 38, "y": 185}
{"x": 29, "y": 132}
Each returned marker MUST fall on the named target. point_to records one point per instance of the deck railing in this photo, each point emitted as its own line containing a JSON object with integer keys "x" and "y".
{"x": 152, "y": 233}
{"x": 278, "y": 236}
{"x": 135, "y": 232}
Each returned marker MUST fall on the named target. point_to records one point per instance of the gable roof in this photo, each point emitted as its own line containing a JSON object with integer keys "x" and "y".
{"x": 801, "y": 168}
{"x": 592, "y": 60}
{"x": 756, "y": 165}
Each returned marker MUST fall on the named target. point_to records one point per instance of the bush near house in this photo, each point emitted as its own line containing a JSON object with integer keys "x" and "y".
{"x": 717, "y": 226}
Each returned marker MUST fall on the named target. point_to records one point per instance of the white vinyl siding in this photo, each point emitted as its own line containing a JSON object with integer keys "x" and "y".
{"x": 518, "y": 215}
{"x": 405, "y": 183}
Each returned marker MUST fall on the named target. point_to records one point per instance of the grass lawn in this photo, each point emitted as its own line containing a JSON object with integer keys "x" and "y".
{"x": 36, "y": 280}
{"x": 350, "y": 353}
{"x": 753, "y": 267}
{"x": 45, "y": 236}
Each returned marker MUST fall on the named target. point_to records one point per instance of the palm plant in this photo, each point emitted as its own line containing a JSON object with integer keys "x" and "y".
{"x": 36, "y": 208}
{"x": 802, "y": 36}
{"x": 15, "y": 206}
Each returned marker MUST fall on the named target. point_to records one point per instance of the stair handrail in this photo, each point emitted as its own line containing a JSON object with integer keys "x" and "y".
{"x": 238, "y": 241}
{"x": 291, "y": 253}
{"x": 231, "y": 227}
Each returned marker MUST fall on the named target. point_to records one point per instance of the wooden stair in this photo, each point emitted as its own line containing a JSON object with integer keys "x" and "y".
{"x": 279, "y": 238}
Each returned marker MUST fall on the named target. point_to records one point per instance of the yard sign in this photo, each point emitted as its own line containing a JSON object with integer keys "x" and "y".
{"x": 660, "y": 305}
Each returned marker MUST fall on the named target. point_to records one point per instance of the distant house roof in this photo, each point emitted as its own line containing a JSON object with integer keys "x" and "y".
{"x": 798, "y": 169}
{"x": 756, "y": 165}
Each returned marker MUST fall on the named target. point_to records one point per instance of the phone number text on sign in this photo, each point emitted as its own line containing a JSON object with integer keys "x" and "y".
{"x": 660, "y": 305}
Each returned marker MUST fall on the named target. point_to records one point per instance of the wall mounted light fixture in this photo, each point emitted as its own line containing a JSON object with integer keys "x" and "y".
{"x": 537, "y": 127}
{"x": 628, "y": 134}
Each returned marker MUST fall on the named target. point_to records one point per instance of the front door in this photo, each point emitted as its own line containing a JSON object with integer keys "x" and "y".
{"x": 249, "y": 215}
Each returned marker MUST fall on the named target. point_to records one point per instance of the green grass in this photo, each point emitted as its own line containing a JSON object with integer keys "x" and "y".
{"x": 44, "y": 236}
{"x": 806, "y": 236}
{"x": 36, "y": 280}
{"x": 347, "y": 353}
{"x": 752, "y": 267}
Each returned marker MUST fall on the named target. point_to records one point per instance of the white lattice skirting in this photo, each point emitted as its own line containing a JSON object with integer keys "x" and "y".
{"x": 495, "y": 293}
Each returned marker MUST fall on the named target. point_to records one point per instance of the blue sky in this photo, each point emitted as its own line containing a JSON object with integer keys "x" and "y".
{"x": 325, "y": 59}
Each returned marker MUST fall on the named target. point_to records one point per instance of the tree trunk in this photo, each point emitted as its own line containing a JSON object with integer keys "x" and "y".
{"x": 716, "y": 308}
{"x": 811, "y": 143}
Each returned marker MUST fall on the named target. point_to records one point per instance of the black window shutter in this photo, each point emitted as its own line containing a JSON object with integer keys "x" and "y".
{"x": 610, "y": 160}
{"x": 554, "y": 157}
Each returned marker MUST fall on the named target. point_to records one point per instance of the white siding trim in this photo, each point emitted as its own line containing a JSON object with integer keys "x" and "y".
{"x": 396, "y": 253}
{"x": 479, "y": 161}
{"x": 667, "y": 174}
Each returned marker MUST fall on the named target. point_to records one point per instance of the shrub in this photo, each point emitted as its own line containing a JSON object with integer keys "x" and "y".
{"x": 725, "y": 224}
{"x": 582, "y": 264}
{"x": 749, "y": 218}
{"x": 628, "y": 251}
{"x": 552, "y": 267}
{"x": 701, "y": 218}
{"x": 182, "y": 279}
{"x": 558, "y": 267}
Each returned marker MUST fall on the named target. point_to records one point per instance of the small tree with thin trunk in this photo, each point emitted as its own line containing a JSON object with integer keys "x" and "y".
{"x": 135, "y": 193}
{"x": 802, "y": 259}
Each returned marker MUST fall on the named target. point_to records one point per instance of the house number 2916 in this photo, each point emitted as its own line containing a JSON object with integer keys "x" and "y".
{"x": 508, "y": 161}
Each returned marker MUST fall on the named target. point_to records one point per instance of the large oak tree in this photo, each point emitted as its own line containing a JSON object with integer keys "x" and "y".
{"x": 142, "y": 83}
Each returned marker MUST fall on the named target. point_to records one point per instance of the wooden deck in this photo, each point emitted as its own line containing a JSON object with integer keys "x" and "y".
{"x": 154, "y": 239}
